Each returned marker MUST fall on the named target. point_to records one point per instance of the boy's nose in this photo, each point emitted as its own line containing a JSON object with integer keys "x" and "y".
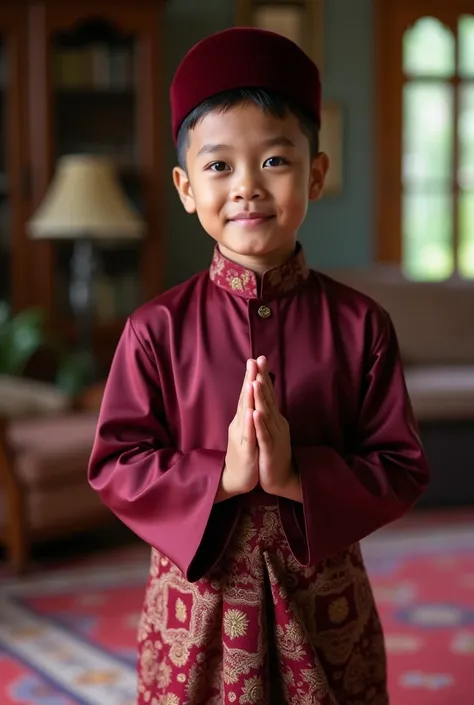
{"x": 247, "y": 187}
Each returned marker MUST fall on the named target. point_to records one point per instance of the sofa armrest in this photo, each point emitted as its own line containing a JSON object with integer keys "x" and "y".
{"x": 12, "y": 505}
{"x": 9, "y": 482}
{"x": 441, "y": 392}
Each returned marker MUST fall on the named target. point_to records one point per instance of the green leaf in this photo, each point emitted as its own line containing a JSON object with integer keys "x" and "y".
{"x": 74, "y": 373}
{"x": 20, "y": 337}
{"x": 4, "y": 312}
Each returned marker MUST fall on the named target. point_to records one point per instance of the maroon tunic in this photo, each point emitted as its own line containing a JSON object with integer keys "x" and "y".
{"x": 258, "y": 599}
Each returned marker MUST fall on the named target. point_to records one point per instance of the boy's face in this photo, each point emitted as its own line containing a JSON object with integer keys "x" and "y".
{"x": 249, "y": 179}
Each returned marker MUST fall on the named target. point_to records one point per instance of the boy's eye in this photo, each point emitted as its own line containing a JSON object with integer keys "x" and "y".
{"x": 275, "y": 161}
{"x": 218, "y": 166}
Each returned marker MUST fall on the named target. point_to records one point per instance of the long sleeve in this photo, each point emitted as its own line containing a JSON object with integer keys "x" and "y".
{"x": 163, "y": 495}
{"x": 347, "y": 498}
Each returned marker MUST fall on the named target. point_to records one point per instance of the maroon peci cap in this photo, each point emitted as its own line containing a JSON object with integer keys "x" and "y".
{"x": 244, "y": 57}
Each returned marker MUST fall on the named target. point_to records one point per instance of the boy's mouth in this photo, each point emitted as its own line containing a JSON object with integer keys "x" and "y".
{"x": 250, "y": 218}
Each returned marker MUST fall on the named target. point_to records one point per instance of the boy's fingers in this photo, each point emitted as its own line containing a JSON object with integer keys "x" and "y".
{"x": 252, "y": 369}
{"x": 260, "y": 396}
{"x": 248, "y": 404}
{"x": 250, "y": 373}
{"x": 263, "y": 435}
{"x": 265, "y": 414}
{"x": 249, "y": 397}
{"x": 267, "y": 393}
{"x": 248, "y": 429}
{"x": 262, "y": 364}
{"x": 242, "y": 391}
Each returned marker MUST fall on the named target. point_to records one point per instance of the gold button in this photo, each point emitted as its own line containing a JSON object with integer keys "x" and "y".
{"x": 264, "y": 312}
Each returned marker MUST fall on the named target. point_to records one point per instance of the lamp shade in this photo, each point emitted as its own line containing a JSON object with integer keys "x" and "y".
{"x": 85, "y": 200}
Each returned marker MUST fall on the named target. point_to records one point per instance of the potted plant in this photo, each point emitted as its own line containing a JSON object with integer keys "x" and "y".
{"x": 23, "y": 335}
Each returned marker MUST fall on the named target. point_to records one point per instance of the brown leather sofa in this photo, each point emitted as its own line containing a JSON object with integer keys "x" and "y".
{"x": 43, "y": 485}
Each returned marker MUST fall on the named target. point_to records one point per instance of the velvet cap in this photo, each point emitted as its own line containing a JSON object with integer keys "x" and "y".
{"x": 244, "y": 57}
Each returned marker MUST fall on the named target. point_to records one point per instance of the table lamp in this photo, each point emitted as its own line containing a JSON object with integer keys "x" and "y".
{"x": 85, "y": 203}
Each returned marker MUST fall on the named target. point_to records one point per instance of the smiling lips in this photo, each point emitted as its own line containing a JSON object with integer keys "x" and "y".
{"x": 249, "y": 219}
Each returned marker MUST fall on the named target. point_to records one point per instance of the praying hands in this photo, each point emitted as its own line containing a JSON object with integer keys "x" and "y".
{"x": 259, "y": 449}
{"x": 275, "y": 469}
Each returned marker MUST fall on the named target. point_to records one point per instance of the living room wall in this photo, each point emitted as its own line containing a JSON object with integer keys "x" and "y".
{"x": 338, "y": 231}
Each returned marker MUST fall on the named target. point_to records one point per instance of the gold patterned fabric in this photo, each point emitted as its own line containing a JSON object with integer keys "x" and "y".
{"x": 244, "y": 282}
{"x": 259, "y": 629}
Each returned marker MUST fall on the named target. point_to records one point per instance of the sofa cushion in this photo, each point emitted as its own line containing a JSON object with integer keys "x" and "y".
{"x": 434, "y": 322}
{"x": 21, "y": 397}
{"x": 441, "y": 392}
{"x": 73, "y": 506}
{"x": 52, "y": 449}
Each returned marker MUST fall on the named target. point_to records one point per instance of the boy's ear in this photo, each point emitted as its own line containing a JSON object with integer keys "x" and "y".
{"x": 317, "y": 177}
{"x": 183, "y": 187}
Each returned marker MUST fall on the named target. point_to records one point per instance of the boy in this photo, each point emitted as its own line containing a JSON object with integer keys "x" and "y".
{"x": 254, "y": 494}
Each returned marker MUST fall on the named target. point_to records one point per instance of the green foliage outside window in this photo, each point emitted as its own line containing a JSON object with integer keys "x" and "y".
{"x": 438, "y": 185}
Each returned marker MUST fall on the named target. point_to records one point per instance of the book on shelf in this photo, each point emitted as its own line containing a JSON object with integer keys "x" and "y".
{"x": 95, "y": 67}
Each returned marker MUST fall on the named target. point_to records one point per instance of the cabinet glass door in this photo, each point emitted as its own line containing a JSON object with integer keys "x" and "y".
{"x": 94, "y": 112}
{"x": 5, "y": 207}
{"x": 14, "y": 293}
{"x": 96, "y": 92}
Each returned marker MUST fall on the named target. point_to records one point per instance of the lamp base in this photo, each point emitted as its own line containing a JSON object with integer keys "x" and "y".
{"x": 81, "y": 300}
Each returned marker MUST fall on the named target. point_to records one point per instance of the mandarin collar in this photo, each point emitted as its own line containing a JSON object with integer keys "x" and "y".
{"x": 244, "y": 282}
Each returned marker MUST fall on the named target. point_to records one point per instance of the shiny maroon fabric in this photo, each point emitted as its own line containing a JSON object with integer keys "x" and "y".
{"x": 172, "y": 392}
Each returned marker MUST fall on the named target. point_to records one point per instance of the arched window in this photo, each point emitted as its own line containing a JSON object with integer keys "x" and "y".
{"x": 425, "y": 149}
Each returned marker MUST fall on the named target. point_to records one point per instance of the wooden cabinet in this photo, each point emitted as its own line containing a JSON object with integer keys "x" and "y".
{"x": 80, "y": 77}
{"x": 14, "y": 283}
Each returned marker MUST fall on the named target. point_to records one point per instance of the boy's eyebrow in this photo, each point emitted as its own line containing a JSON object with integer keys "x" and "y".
{"x": 279, "y": 141}
{"x": 210, "y": 148}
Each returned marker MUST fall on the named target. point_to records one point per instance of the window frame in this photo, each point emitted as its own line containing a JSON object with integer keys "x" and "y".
{"x": 391, "y": 18}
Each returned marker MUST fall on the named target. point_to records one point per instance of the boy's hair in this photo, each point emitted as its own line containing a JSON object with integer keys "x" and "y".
{"x": 267, "y": 101}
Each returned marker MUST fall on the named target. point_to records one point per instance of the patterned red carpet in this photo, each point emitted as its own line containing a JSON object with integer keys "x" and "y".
{"x": 67, "y": 635}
